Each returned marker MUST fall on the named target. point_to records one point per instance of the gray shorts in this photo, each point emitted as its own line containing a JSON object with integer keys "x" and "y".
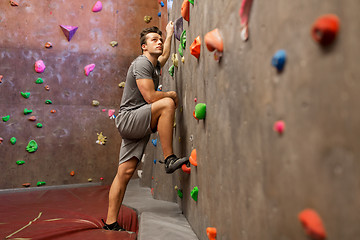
{"x": 134, "y": 127}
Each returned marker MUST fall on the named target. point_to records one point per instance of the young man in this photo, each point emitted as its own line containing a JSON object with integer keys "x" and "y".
{"x": 143, "y": 110}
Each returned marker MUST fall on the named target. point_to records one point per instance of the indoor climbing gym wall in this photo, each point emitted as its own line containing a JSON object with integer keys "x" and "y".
{"x": 269, "y": 117}
{"x": 62, "y": 67}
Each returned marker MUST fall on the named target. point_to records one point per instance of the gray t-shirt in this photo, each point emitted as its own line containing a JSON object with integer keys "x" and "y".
{"x": 140, "y": 68}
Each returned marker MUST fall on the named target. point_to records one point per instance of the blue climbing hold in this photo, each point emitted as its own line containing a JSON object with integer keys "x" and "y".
{"x": 159, "y": 14}
{"x": 279, "y": 60}
{"x": 154, "y": 142}
{"x": 162, "y": 4}
{"x": 154, "y": 161}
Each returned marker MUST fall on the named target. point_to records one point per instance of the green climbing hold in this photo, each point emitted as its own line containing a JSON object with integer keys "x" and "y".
{"x": 40, "y": 183}
{"x": 200, "y": 110}
{"x": 20, "y": 162}
{"x": 194, "y": 193}
{"x": 39, "y": 125}
{"x": 171, "y": 70}
{"x": 39, "y": 81}
{"x": 48, "y": 101}
{"x": 5, "y": 119}
{"x": 13, "y": 140}
{"x": 180, "y": 193}
{"x": 27, "y": 111}
{"x": 25, "y": 94}
{"x": 191, "y": 1}
{"x": 181, "y": 52}
{"x": 183, "y": 39}
{"x": 32, "y": 146}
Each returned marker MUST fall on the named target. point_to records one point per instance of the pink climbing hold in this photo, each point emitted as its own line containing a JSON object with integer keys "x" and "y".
{"x": 39, "y": 66}
{"x": 89, "y": 68}
{"x": 97, "y": 7}
{"x": 111, "y": 112}
{"x": 244, "y": 13}
{"x": 279, "y": 127}
{"x": 69, "y": 31}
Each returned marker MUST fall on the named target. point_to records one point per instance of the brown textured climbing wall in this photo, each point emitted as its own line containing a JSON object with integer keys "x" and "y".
{"x": 252, "y": 182}
{"x": 67, "y": 140}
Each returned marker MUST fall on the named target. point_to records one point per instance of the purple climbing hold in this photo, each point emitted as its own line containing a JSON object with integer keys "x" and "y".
{"x": 178, "y": 28}
{"x": 69, "y": 31}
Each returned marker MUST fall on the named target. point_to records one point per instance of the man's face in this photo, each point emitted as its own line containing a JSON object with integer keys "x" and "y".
{"x": 154, "y": 44}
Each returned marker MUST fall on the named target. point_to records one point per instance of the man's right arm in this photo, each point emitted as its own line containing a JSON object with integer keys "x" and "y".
{"x": 147, "y": 89}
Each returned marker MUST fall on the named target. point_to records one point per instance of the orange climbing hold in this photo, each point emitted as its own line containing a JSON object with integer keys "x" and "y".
{"x": 211, "y": 233}
{"x": 195, "y": 47}
{"x": 72, "y": 173}
{"x": 214, "y": 41}
{"x": 192, "y": 158}
{"x": 313, "y": 224}
{"x": 325, "y": 29}
{"x": 53, "y": 111}
{"x": 185, "y": 10}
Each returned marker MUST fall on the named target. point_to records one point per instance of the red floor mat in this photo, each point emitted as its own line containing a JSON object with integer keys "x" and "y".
{"x": 72, "y": 213}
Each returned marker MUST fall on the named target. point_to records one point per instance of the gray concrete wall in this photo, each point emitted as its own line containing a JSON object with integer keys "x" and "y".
{"x": 252, "y": 182}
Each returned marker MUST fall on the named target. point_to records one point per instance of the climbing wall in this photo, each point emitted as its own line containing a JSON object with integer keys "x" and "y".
{"x": 255, "y": 175}
{"x": 67, "y": 140}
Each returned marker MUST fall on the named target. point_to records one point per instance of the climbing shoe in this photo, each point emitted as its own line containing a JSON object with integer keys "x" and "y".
{"x": 172, "y": 163}
{"x": 113, "y": 227}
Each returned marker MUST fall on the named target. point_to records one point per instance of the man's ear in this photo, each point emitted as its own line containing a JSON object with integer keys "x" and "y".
{"x": 143, "y": 47}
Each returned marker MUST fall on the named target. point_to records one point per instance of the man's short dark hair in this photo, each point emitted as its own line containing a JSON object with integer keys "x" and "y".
{"x": 147, "y": 31}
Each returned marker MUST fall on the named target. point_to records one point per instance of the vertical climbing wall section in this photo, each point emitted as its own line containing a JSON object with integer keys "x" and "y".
{"x": 73, "y": 93}
{"x": 277, "y": 152}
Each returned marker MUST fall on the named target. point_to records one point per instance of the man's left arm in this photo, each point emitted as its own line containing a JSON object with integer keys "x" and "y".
{"x": 167, "y": 44}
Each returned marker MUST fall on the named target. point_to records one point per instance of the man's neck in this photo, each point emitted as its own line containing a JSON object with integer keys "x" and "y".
{"x": 153, "y": 59}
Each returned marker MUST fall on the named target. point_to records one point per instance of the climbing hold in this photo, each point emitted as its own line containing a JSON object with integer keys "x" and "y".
{"x": 13, "y": 140}
{"x": 175, "y": 60}
{"x": 47, "y": 88}
{"x": 200, "y": 110}
{"x": 194, "y": 115}
{"x": 103, "y": 110}
{"x": 171, "y": 70}
{"x": 195, "y": 99}
{"x": 183, "y": 39}
{"x": 25, "y": 94}
{"x": 97, "y": 6}
{"x": 53, "y": 111}
{"x": 39, "y": 81}
{"x": 27, "y": 111}
{"x": 211, "y": 233}
{"x": 279, "y": 59}
{"x": 101, "y": 139}
{"x": 183, "y": 59}
{"x": 40, "y": 183}
{"x": 162, "y": 4}
{"x": 26, "y": 184}
{"x": 279, "y": 127}
{"x": 159, "y": 88}
{"x": 313, "y": 224}
{"x": 325, "y": 29}
{"x": 180, "y": 193}
{"x": 194, "y": 193}
{"x": 185, "y": 10}
{"x": 48, "y": 101}
{"x": 178, "y": 25}
{"x": 111, "y": 113}
{"x": 181, "y": 52}
{"x": 1, "y": 140}
{"x": 72, "y": 173}
{"x": 39, "y": 125}
{"x": 39, "y": 66}
{"x": 213, "y": 40}
{"x": 1, "y": 77}
{"x": 154, "y": 142}
{"x": 13, "y": 3}
{"x": 101, "y": 179}
{"x": 195, "y": 47}
{"x": 95, "y": 103}
{"x": 32, "y": 146}
{"x": 32, "y": 118}
{"x": 159, "y": 14}
{"x": 147, "y": 19}
{"x": 69, "y": 31}
{"x": 89, "y": 68}
{"x": 20, "y": 162}
{"x": 113, "y": 43}
{"x": 154, "y": 161}
{"x": 192, "y": 2}
{"x": 185, "y": 168}
{"x": 48, "y": 45}
{"x": 192, "y": 158}
{"x": 89, "y": 179}
{"x": 244, "y": 13}
{"x": 6, "y": 118}
{"x": 122, "y": 85}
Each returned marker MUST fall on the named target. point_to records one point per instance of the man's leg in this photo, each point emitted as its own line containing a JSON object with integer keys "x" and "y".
{"x": 118, "y": 187}
{"x": 162, "y": 117}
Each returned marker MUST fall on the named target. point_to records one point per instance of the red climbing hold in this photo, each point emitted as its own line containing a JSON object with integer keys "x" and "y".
{"x": 185, "y": 10}
{"x": 214, "y": 41}
{"x": 195, "y": 47}
{"x": 279, "y": 127}
{"x": 186, "y": 169}
{"x": 325, "y": 29}
{"x": 192, "y": 158}
{"x": 313, "y": 224}
{"x": 211, "y": 233}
